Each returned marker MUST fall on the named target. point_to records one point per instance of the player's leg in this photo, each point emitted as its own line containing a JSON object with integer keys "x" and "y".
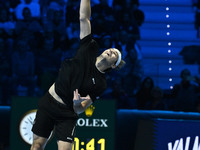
{"x": 42, "y": 128}
{"x": 64, "y": 131}
{"x": 39, "y": 143}
{"x": 63, "y": 145}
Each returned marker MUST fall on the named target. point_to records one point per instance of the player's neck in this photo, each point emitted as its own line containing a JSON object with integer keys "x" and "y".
{"x": 99, "y": 70}
{"x": 99, "y": 65}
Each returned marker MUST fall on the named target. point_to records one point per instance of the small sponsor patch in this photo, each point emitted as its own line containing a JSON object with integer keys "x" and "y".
{"x": 69, "y": 138}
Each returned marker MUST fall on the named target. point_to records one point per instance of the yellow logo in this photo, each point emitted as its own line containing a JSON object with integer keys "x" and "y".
{"x": 89, "y": 111}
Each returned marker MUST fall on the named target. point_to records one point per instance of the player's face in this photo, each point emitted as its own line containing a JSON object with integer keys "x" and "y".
{"x": 110, "y": 55}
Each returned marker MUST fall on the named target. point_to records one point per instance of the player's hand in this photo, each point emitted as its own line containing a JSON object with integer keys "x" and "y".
{"x": 78, "y": 99}
{"x": 76, "y": 95}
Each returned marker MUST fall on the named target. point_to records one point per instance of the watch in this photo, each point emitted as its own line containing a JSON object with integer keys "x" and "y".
{"x": 25, "y": 126}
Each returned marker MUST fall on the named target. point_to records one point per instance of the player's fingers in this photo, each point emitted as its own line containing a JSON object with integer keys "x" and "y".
{"x": 75, "y": 95}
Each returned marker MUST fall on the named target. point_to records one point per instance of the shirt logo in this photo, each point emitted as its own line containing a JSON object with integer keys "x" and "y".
{"x": 69, "y": 138}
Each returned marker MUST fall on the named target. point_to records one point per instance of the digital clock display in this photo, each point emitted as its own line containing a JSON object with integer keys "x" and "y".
{"x": 90, "y": 144}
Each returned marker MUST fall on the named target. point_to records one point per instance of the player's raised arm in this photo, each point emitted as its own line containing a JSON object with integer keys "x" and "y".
{"x": 85, "y": 14}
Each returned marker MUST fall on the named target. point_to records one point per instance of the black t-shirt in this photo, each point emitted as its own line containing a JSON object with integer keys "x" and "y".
{"x": 81, "y": 73}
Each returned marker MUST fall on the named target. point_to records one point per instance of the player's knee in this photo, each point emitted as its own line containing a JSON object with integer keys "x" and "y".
{"x": 64, "y": 145}
{"x": 37, "y": 146}
{"x": 66, "y": 148}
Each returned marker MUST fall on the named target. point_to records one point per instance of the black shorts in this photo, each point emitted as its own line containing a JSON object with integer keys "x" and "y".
{"x": 52, "y": 115}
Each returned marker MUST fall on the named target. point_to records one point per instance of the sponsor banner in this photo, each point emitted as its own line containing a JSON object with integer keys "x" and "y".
{"x": 165, "y": 134}
{"x": 177, "y": 135}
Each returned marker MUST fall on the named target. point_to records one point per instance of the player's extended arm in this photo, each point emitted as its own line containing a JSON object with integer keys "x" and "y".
{"x": 81, "y": 103}
{"x": 85, "y": 14}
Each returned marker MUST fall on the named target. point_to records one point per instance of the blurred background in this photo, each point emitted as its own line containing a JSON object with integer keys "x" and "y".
{"x": 159, "y": 39}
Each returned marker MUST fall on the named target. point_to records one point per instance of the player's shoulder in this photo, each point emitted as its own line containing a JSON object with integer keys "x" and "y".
{"x": 86, "y": 39}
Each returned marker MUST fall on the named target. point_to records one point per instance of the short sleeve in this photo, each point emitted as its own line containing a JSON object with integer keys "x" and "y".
{"x": 88, "y": 48}
{"x": 86, "y": 39}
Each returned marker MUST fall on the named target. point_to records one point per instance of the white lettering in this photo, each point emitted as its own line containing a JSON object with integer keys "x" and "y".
{"x": 88, "y": 124}
{"x": 180, "y": 144}
{"x": 174, "y": 147}
{"x": 81, "y": 122}
{"x": 104, "y": 123}
{"x": 95, "y": 122}
{"x": 187, "y": 144}
{"x": 92, "y": 122}
{"x": 196, "y": 145}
